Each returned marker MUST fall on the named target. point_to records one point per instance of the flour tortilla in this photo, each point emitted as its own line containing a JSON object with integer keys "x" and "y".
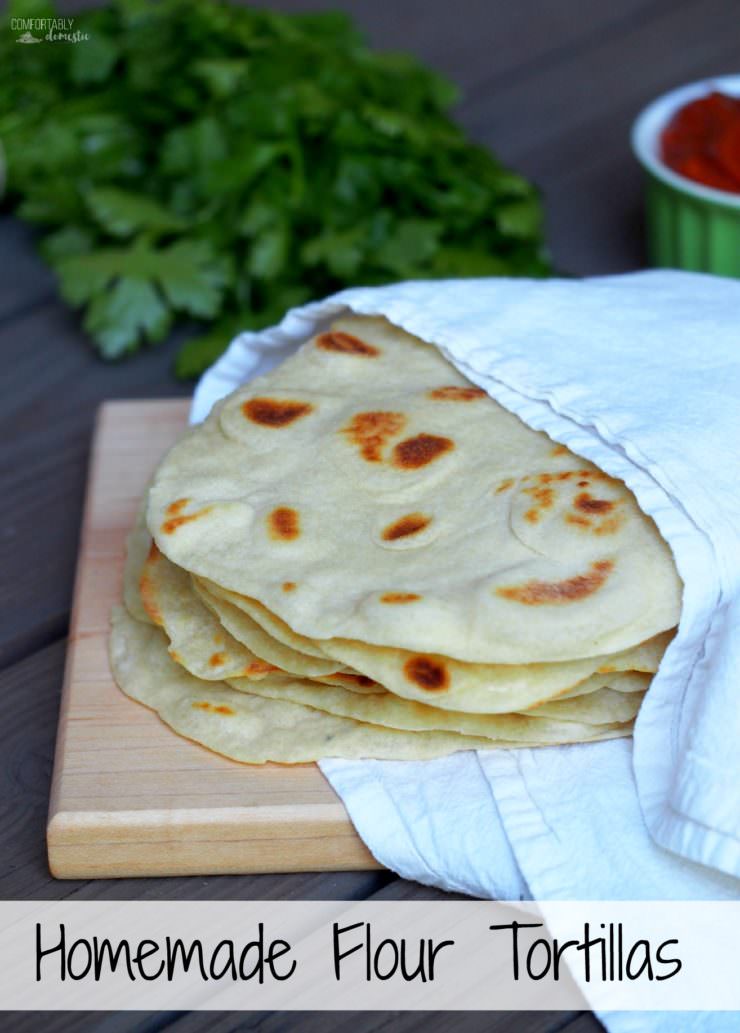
{"x": 249, "y": 728}
{"x": 623, "y": 681}
{"x": 138, "y": 544}
{"x": 197, "y": 639}
{"x": 486, "y": 688}
{"x": 474, "y": 688}
{"x": 195, "y": 634}
{"x": 251, "y": 634}
{"x": 618, "y": 700}
{"x": 267, "y": 620}
{"x": 366, "y": 469}
{"x": 205, "y": 648}
{"x": 580, "y": 721}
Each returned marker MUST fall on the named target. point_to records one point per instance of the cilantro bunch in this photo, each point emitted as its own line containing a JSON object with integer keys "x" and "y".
{"x": 221, "y": 164}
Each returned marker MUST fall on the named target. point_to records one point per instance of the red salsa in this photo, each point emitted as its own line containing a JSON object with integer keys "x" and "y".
{"x": 702, "y": 141}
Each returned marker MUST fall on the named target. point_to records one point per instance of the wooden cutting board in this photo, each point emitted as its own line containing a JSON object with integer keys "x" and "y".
{"x": 129, "y": 797}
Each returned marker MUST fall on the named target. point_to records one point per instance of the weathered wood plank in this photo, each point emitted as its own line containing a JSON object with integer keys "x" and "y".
{"x": 566, "y": 124}
{"x": 89, "y": 1022}
{"x": 30, "y": 282}
{"x": 52, "y": 387}
{"x": 476, "y": 42}
{"x": 377, "y": 1022}
{"x": 303, "y": 1022}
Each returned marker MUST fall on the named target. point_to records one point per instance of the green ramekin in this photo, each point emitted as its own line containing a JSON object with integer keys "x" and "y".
{"x": 689, "y": 226}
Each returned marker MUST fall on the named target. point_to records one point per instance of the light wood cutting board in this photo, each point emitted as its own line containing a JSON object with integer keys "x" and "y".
{"x": 129, "y": 797}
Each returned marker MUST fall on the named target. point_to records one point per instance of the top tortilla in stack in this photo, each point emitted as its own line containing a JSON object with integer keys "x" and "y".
{"x": 364, "y": 512}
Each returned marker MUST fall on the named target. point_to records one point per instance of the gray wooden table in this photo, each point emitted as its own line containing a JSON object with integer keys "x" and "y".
{"x": 552, "y": 87}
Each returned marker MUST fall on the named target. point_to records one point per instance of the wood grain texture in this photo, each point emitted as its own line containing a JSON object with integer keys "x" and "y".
{"x": 52, "y": 384}
{"x": 317, "y": 1022}
{"x": 395, "y": 1022}
{"x": 129, "y": 797}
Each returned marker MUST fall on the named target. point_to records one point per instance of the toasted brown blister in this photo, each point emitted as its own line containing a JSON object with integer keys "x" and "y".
{"x": 272, "y": 412}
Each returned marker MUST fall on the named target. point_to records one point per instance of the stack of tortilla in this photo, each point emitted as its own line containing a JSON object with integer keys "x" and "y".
{"x": 361, "y": 554}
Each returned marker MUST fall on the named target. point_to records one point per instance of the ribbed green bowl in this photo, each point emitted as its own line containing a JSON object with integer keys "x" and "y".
{"x": 689, "y": 226}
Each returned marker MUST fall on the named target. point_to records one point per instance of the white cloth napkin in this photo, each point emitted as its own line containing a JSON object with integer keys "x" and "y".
{"x": 641, "y": 375}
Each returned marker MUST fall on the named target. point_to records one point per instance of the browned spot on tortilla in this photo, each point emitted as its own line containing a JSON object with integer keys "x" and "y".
{"x": 218, "y": 639}
{"x": 566, "y": 475}
{"x": 223, "y": 709}
{"x": 600, "y": 513}
{"x": 538, "y": 593}
{"x": 457, "y": 394}
{"x": 201, "y": 705}
{"x": 606, "y": 669}
{"x": 274, "y": 412}
{"x": 543, "y": 496}
{"x": 370, "y": 431}
{"x": 217, "y": 660}
{"x": 175, "y": 656}
{"x": 284, "y": 523}
{"x": 177, "y": 506}
{"x": 153, "y": 554}
{"x": 559, "y": 450}
{"x": 289, "y": 586}
{"x": 407, "y": 525}
{"x": 171, "y": 525}
{"x": 399, "y": 597}
{"x": 427, "y": 672}
{"x": 258, "y": 668}
{"x": 347, "y": 344}
{"x": 610, "y": 525}
{"x": 588, "y": 504}
{"x": 354, "y": 679}
{"x": 583, "y": 484}
{"x": 580, "y": 521}
{"x": 505, "y": 485}
{"x": 148, "y": 598}
{"x": 420, "y": 450}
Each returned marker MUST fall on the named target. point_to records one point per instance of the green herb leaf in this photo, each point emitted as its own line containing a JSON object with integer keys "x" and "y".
{"x": 410, "y": 245}
{"x": 122, "y": 213}
{"x": 521, "y": 219}
{"x": 120, "y": 317}
{"x": 222, "y": 75}
{"x": 193, "y": 278}
{"x": 68, "y": 241}
{"x": 187, "y": 275}
{"x": 93, "y": 62}
{"x": 269, "y": 253}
